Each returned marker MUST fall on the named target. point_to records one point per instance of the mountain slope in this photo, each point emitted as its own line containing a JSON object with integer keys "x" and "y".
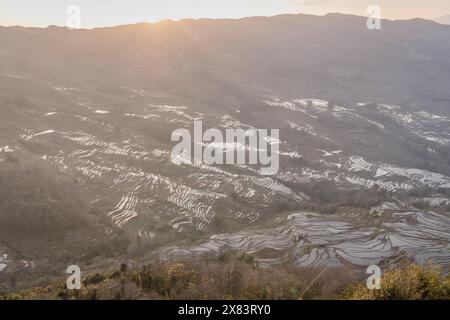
{"x": 364, "y": 141}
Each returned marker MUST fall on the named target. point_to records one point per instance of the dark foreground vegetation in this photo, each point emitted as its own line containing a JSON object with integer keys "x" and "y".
{"x": 241, "y": 278}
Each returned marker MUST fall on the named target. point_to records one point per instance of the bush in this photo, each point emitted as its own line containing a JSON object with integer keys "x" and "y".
{"x": 235, "y": 279}
{"x": 412, "y": 282}
{"x": 94, "y": 279}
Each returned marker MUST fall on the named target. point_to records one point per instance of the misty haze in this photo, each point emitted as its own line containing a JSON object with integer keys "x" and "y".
{"x": 87, "y": 177}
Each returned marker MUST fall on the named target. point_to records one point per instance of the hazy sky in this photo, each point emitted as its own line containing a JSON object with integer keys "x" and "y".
{"x": 114, "y": 12}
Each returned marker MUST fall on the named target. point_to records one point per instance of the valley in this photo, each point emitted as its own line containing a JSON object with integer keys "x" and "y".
{"x": 364, "y": 175}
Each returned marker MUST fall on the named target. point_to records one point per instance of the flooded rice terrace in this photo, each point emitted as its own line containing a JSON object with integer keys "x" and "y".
{"x": 121, "y": 159}
{"x": 311, "y": 240}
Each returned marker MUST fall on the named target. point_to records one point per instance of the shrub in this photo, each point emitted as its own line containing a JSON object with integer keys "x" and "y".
{"x": 94, "y": 279}
{"x": 412, "y": 282}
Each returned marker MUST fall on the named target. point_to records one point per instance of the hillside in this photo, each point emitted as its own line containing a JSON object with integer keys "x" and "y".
{"x": 239, "y": 278}
{"x": 85, "y": 140}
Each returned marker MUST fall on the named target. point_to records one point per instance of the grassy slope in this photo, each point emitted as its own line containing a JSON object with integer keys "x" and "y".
{"x": 241, "y": 278}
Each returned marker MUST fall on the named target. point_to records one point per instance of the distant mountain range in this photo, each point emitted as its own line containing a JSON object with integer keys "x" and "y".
{"x": 444, "y": 19}
{"x": 334, "y": 56}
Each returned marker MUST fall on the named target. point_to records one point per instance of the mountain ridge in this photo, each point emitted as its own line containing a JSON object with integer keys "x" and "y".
{"x": 243, "y": 19}
{"x": 443, "y": 19}
{"x": 291, "y": 35}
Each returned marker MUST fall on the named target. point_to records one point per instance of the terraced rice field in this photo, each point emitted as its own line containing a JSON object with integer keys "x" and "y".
{"x": 122, "y": 160}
